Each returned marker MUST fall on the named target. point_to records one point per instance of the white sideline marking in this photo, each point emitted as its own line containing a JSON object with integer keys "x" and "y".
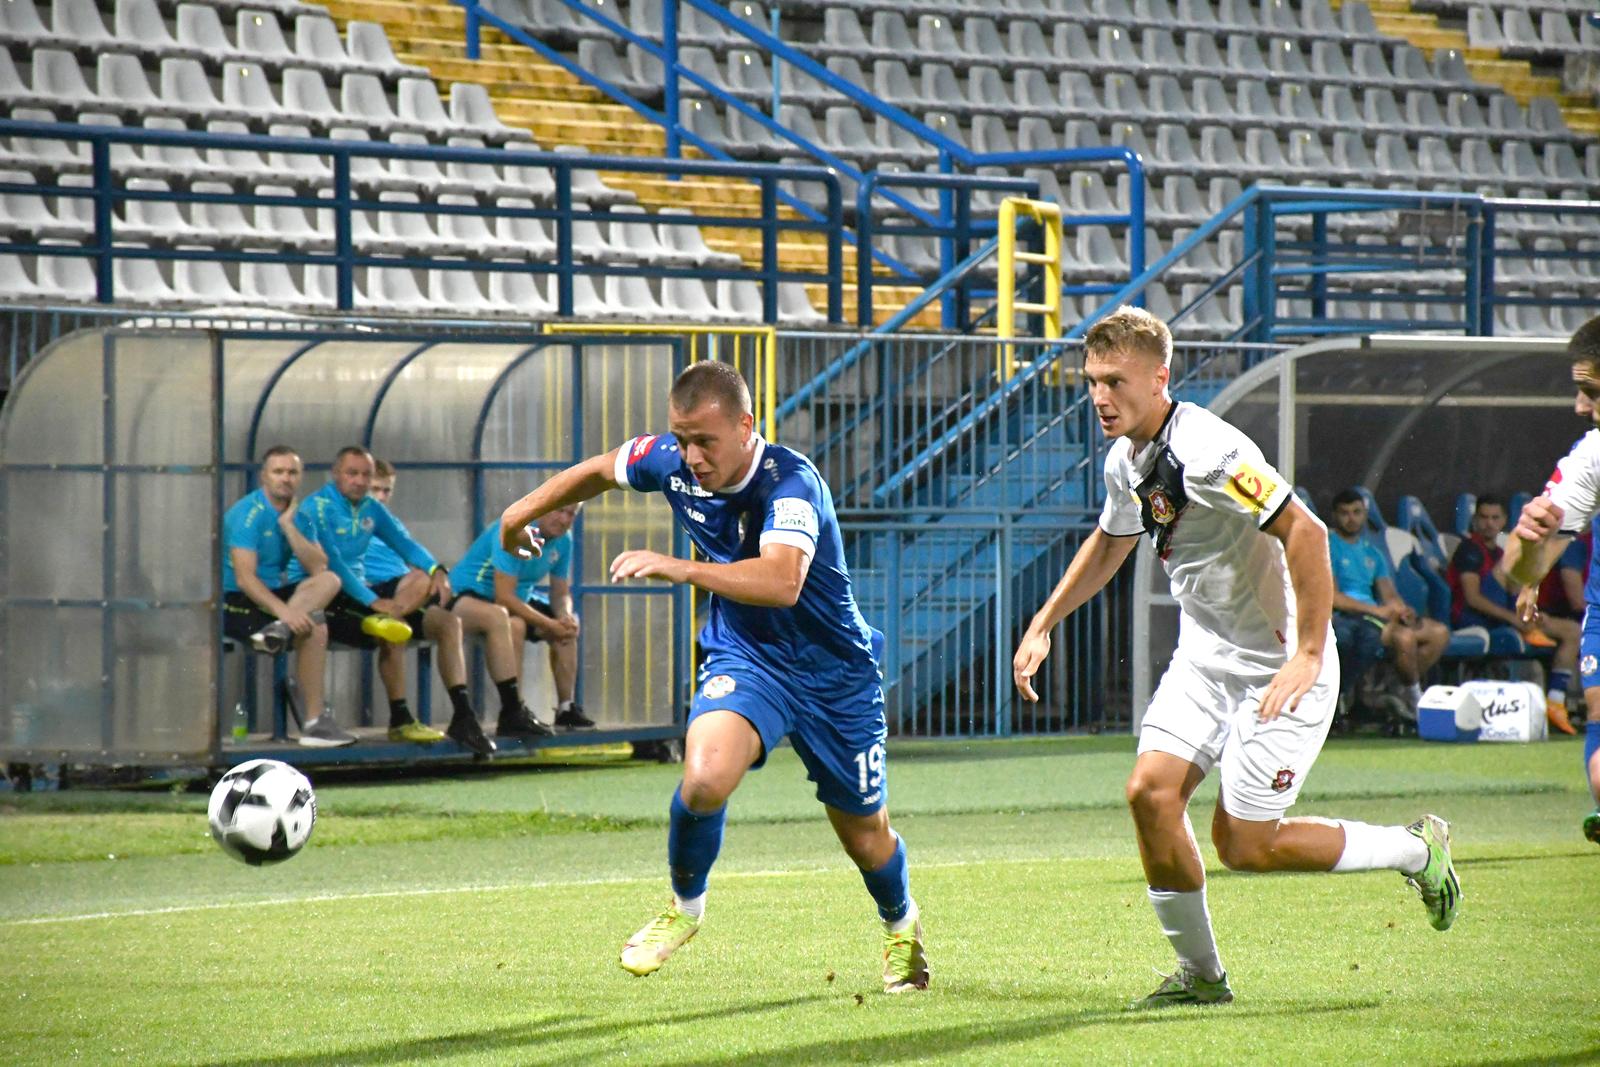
{"x": 575, "y": 883}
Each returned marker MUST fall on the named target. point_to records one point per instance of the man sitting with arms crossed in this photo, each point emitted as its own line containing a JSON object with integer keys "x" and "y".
{"x": 260, "y": 604}
{"x": 1368, "y": 615}
{"x": 497, "y": 599}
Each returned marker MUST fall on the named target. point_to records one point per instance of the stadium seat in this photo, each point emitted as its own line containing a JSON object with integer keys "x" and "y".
{"x": 472, "y": 113}
{"x": 522, "y": 294}
{"x": 318, "y": 46}
{"x": 474, "y": 232}
{"x": 297, "y": 227}
{"x": 634, "y": 296}
{"x": 528, "y": 234}
{"x": 367, "y": 45}
{"x": 458, "y": 290}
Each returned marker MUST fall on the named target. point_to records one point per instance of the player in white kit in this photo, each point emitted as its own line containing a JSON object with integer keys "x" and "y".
{"x": 1254, "y": 681}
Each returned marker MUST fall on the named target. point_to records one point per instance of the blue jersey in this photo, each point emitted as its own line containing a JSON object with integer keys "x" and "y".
{"x": 346, "y": 530}
{"x": 822, "y": 641}
{"x": 253, "y": 523}
{"x": 1357, "y": 566}
{"x": 381, "y": 564}
{"x": 475, "y": 572}
{"x": 1578, "y": 551}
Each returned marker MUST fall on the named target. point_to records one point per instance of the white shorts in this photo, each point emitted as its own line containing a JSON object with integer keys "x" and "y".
{"x": 1206, "y": 716}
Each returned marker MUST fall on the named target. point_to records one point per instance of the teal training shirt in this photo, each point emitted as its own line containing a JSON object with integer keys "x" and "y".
{"x": 475, "y": 572}
{"x": 346, "y": 531}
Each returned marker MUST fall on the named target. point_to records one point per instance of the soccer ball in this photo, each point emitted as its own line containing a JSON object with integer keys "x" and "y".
{"x": 262, "y": 812}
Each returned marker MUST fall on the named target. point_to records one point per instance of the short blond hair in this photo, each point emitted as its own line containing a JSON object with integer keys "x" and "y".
{"x": 382, "y": 468}
{"x": 1130, "y": 329}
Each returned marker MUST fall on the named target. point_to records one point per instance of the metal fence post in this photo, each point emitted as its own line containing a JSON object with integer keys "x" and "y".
{"x": 769, "y": 249}
{"x": 669, "y": 75}
{"x": 103, "y": 280}
{"x": 343, "y": 239}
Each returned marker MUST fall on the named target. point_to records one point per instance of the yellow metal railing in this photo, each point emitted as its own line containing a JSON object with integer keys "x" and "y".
{"x": 753, "y": 351}
{"x": 1048, "y": 216}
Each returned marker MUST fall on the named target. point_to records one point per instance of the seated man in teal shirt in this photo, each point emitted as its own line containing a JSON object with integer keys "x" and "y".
{"x": 495, "y": 596}
{"x": 392, "y": 578}
{"x": 344, "y": 519}
{"x": 1369, "y": 617}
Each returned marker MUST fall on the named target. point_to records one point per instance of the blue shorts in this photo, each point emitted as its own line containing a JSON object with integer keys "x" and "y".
{"x": 1589, "y": 650}
{"x": 840, "y": 738}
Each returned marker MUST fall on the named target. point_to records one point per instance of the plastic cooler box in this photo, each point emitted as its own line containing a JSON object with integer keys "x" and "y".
{"x": 1449, "y": 713}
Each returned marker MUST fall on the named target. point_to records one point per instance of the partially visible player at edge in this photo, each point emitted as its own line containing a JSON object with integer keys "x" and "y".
{"x": 1253, "y": 683}
{"x": 1571, "y": 498}
{"x": 786, "y": 650}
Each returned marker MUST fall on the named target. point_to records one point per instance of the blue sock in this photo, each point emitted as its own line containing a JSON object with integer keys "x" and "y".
{"x": 693, "y": 842}
{"x": 1559, "y": 680}
{"x": 890, "y": 885}
{"x": 1591, "y": 742}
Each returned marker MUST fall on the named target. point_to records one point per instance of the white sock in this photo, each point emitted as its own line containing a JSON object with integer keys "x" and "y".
{"x": 1414, "y": 693}
{"x": 563, "y": 705}
{"x": 1186, "y": 921}
{"x": 695, "y": 906}
{"x": 1378, "y": 848}
{"x": 905, "y": 922}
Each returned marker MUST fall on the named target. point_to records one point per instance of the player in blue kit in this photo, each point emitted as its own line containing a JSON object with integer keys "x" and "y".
{"x": 786, "y": 651}
{"x": 1569, "y": 503}
{"x": 344, "y": 519}
{"x": 496, "y": 596}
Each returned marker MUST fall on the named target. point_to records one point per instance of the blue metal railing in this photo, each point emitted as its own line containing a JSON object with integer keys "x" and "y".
{"x": 1266, "y": 261}
{"x": 950, "y": 153}
{"x": 106, "y": 194}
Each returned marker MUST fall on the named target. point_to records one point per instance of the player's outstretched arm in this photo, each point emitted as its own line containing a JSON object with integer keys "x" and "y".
{"x": 1305, "y": 550}
{"x": 771, "y": 580}
{"x": 577, "y": 483}
{"x": 1096, "y": 560}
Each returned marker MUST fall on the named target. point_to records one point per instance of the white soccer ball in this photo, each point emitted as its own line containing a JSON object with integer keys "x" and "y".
{"x": 262, "y": 812}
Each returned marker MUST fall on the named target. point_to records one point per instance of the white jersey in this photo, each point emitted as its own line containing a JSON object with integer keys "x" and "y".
{"x": 1204, "y": 493}
{"x": 1575, "y": 485}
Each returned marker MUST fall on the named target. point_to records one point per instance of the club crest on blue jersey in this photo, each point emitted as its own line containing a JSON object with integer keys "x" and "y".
{"x": 718, "y": 687}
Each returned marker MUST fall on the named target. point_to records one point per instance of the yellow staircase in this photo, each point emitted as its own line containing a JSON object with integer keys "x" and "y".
{"x": 559, "y": 109}
{"x": 1515, "y": 76}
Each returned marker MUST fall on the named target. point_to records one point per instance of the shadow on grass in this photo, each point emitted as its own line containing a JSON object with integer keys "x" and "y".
{"x": 1560, "y": 1059}
{"x": 555, "y": 1038}
{"x": 899, "y": 1047}
{"x": 519, "y": 1043}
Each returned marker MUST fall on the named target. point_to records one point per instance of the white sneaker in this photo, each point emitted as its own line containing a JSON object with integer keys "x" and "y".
{"x": 325, "y": 732}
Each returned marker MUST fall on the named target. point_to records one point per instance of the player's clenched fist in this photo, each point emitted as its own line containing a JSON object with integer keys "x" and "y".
{"x": 1025, "y": 664}
{"x": 1540, "y": 518}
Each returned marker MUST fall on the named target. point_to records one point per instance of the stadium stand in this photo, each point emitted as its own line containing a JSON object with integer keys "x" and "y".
{"x": 1436, "y": 95}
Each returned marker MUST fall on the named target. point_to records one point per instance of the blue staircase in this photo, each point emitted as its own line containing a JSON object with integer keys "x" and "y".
{"x": 935, "y": 586}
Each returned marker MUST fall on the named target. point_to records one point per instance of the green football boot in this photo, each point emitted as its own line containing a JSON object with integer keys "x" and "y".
{"x": 1591, "y": 826}
{"x": 1185, "y": 987}
{"x": 648, "y": 949}
{"x": 1437, "y": 882}
{"x": 905, "y": 964}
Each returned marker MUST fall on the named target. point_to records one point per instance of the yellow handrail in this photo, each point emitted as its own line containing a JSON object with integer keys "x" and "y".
{"x": 1048, "y": 216}
{"x": 763, "y": 387}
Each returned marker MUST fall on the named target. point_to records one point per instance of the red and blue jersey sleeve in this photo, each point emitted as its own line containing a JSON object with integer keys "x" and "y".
{"x": 644, "y": 463}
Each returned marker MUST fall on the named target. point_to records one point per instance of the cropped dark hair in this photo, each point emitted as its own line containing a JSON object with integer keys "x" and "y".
{"x": 1348, "y": 496}
{"x": 1489, "y": 500}
{"x": 1585, "y": 344}
{"x": 711, "y": 381}
{"x": 276, "y": 450}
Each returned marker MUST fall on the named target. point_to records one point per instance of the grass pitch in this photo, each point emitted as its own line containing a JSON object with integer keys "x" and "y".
{"x": 476, "y": 919}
